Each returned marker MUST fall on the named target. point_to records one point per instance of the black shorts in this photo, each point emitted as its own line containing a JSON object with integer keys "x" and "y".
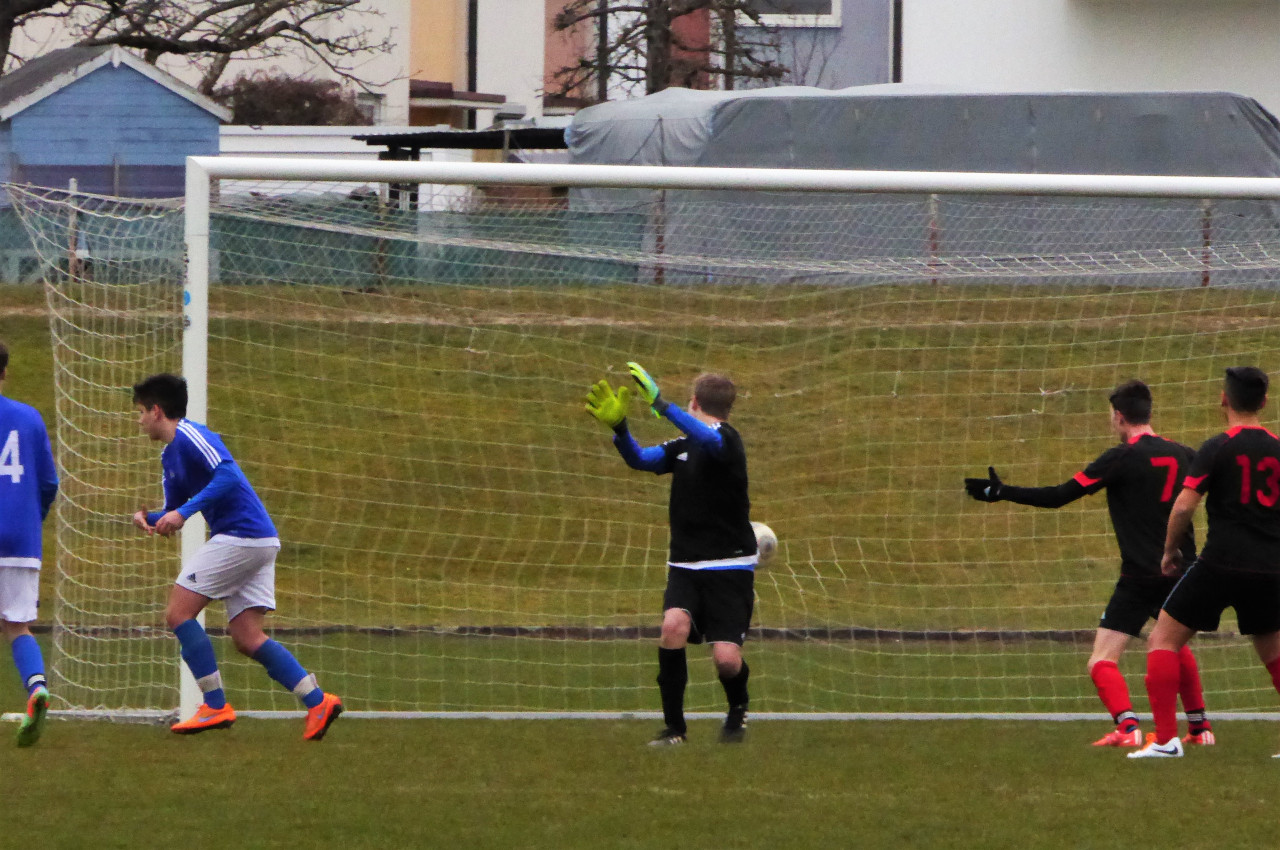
{"x": 1134, "y": 601}
{"x": 719, "y": 602}
{"x": 1205, "y": 592}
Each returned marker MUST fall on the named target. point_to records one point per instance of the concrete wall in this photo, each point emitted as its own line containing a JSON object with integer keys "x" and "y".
{"x": 1100, "y": 45}
{"x": 299, "y": 142}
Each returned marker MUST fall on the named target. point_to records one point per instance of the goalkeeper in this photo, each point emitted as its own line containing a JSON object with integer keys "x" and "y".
{"x": 1142, "y": 477}
{"x": 710, "y": 589}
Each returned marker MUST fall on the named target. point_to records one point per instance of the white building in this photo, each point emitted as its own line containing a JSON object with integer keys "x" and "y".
{"x": 510, "y": 43}
{"x": 1095, "y": 45}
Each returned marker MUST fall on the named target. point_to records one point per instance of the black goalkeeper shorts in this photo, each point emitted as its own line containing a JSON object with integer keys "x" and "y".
{"x": 719, "y": 601}
{"x": 1134, "y": 601}
{"x": 1205, "y": 592}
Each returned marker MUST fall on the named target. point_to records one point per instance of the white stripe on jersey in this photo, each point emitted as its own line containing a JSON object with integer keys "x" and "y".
{"x": 193, "y": 434}
{"x": 723, "y": 563}
{"x": 29, "y": 563}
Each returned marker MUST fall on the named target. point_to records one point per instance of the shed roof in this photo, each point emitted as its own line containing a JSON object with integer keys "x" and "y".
{"x": 525, "y": 138}
{"x": 41, "y": 77}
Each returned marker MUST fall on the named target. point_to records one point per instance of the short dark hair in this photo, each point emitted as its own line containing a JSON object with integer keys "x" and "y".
{"x": 168, "y": 391}
{"x": 4, "y": 357}
{"x": 1132, "y": 400}
{"x": 715, "y": 394}
{"x": 1246, "y": 388}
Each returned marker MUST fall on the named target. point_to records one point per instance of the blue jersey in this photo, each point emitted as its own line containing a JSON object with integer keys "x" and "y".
{"x": 28, "y": 483}
{"x": 201, "y": 476}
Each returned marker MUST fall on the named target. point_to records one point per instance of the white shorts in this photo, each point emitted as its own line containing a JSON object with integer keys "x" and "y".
{"x": 240, "y": 572}
{"x": 19, "y": 594}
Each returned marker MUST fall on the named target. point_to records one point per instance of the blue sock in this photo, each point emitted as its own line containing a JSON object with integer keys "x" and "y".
{"x": 29, "y": 661}
{"x": 285, "y": 669}
{"x": 197, "y": 651}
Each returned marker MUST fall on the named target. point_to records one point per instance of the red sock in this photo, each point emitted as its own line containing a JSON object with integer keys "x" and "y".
{"x": 1274, "y": 669}
{"x": 1190, "y": 690}
{"x": 1164, "y": 673}
{"x": 1112, "y": 689}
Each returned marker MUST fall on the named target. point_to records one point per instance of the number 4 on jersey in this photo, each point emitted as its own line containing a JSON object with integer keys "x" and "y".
{"x": 10, "y": 461}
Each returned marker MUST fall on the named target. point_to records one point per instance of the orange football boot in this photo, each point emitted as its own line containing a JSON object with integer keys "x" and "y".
{"x": 320, "y": 718}
{"x": 206, "y": 718}
{"x": 1116, "y": 738}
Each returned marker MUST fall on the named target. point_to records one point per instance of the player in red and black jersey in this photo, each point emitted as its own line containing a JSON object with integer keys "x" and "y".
{"x": 1142, "y": 476}
{"x": 1237, "y": 473}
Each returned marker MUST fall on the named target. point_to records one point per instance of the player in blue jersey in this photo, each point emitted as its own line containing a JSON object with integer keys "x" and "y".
{"x": 28, "y": 486}
{"x": 236, "y": 564}
{"x": 711, "y": 566}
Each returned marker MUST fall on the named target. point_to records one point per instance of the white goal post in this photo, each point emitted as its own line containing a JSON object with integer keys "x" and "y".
{"x": 397, "y": 353}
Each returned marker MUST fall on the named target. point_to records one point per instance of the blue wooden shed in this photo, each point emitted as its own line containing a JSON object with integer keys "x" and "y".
{"x": 106, "y": 118}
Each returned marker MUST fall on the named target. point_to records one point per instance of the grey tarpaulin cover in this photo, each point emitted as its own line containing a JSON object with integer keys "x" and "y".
{"x": 902, "y": 127}
{"x": 908, "y": 128}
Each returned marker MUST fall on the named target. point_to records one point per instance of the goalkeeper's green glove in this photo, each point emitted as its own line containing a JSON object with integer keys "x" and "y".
{"x": 609, "y": 408}
{"x": 985, "y": 489}
{"x": 648, "y": 388}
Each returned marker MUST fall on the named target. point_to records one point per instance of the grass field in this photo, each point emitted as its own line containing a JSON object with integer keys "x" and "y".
{"x": 489, "y": 500}
{"x": 591, "y": 784}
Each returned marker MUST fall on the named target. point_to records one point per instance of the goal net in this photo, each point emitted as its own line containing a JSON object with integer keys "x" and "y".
{"x": 399, "y": 362}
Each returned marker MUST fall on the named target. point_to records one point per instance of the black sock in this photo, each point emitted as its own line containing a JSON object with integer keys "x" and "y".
{"x": 1197, "y": 721}
{"x": 673, "y": 675}
{"x": 735, "y": 691}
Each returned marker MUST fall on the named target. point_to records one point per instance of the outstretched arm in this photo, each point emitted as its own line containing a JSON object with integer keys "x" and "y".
{"x": 992, "y": 489}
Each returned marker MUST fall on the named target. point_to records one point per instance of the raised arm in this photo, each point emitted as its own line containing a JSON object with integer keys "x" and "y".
{"x": 610, "y": 409}
{"x": 697, "y": 430}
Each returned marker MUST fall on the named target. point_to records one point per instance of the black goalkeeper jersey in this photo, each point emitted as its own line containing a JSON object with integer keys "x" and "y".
{"x": 1239, "y": 471}
{"x": 710, "y": 512}
{"x": 1142, "y": 478}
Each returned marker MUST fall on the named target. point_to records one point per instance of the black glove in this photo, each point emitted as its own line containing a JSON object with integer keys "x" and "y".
{"x": 984, "y": 489}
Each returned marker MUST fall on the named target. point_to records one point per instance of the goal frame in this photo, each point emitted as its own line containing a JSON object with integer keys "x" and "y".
{"x": 202, "y": 171}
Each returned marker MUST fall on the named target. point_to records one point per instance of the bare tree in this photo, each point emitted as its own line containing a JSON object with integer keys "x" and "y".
{"x": 15, "y": 14}
{"x": 743, "y": 47}
{"x": 266, "y": 98}
{"x": 211, "y": 34}
{"x": 640, "y": 44}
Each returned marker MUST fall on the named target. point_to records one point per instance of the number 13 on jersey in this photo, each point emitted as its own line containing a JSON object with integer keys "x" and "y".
{"x": 1268, "y": 466}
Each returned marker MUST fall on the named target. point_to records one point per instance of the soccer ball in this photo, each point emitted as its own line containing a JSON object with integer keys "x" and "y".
{"x": 766, "y": 542}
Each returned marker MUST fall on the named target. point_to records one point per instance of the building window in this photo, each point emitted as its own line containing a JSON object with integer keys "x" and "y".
{"x": 797, "y": 13}
{"x": 371, "y": 105}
